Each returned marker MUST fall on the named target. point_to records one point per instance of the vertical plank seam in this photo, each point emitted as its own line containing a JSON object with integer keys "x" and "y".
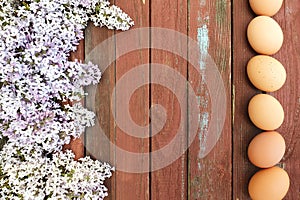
{"x": 187, "y": 105}
{"x": 150, "y": 102}
{"x": 114, "y": 111}
{"x": 232, "y": 99}
{"x": 114, "y": 114}
{"x": 84, "y": 99}
{"x": 186, "y": 188}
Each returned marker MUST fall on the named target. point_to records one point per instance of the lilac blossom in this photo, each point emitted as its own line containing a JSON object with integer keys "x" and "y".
{"x": 26, "y": 173}
{"x": 36, "y": 77}
{"x": 37, "y": 82}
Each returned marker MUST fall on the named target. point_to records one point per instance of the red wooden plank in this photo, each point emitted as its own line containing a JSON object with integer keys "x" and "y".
{"x": 209, "y": 178}
{"x": 169, "y": 182}
{"x": 77, "y": 145}
{"x": 210, "y": 26}
{"x": 289, "y": 94}
{"x": 243, "y": 129}
{"x": 96, "y": 145}
{"x": 132, "y": 185}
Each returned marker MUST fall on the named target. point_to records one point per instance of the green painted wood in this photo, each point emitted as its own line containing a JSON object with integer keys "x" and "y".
{"x": 210, "y": 25}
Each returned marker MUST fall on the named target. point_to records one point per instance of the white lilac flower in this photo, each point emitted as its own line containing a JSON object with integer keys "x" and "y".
{"x": 37, "y": 82}
{"x": 36, "y": 77}
{"x": 27, "y": 173}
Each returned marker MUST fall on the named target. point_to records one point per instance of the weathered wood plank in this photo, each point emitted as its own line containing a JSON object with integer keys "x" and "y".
{"x": 208, "y": 178}
{"x": 289, "y": 94}
{"x": 95, "y": 144}
{"x": 77, "y": 145}
{"x": 169, "y": 182}
{"x": 133, "y": 185}
{"x": 210, "y": 26}
{"x": 243, "y": 129}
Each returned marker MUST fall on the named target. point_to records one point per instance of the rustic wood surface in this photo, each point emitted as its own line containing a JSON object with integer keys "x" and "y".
{"x": 289, "y": 95}
{"x": 219, "y": 27}
{"x": 243, "y": 130}
{"x": 210, "y": 25}
{"x": 171, "y": 181}
{"x": 130, "y": 185}
{"x": 77, "y": 144}
{"x": 96, "y": 146}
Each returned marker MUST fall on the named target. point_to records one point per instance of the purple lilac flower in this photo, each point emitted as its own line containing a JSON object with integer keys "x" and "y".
{"x": 36, "y": 77}
{"x": 26, "y": 173}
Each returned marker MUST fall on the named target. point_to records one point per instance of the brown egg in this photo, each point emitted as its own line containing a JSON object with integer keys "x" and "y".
{"x": 265, "y": 35}
{"x": 266, "y": 73}
{"x": 269, "y": 184}
{"x": 266, "y": 7}
{"x": 266, "y": 149}
{"x": 265, "y": 112}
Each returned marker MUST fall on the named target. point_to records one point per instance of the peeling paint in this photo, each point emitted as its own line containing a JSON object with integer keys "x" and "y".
{"x": 202, "y": 2}
{"x": 203, "y": 42}
{"x": 221, "y": 11}
{"x": 203, "y": 98}
{"x": 199, "y": 166}
{"x": 203, "y": 124}
{"x": 202, "y": 20}
{"x": 233, "y": 104}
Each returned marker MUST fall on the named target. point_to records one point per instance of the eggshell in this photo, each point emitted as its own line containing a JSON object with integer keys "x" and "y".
{"x": 265, "y": 35}
{"x": 266, "y": 73}
{"x": 266, "y": 7}
{"x": 265, "y": 112}
{"x": 266, "y": 149}
{"x": 269, "y": 184}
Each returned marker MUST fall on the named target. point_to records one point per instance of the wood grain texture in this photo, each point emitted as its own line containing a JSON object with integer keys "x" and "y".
{"x": 225, "y": 172}
{"x": 77, "y": 144}
{"x": 133, "y": 185}
{"x": 171, "y": 181}
{"x": 289, "y": 94}
{"x": 219, "y": 28}
{"x": 96, "y": 146}
{"x": 210, "y": 26}
{"x": 243, "y": 129}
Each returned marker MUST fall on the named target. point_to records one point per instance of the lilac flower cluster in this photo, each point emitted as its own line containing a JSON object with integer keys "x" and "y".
{"x": 27, "y": 174}
{"x": 36, "y": 78}
{"x": 36, "y": 83}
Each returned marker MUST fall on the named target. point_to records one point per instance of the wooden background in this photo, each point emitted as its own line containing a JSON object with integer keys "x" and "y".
{"x": 219, "y": 26}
